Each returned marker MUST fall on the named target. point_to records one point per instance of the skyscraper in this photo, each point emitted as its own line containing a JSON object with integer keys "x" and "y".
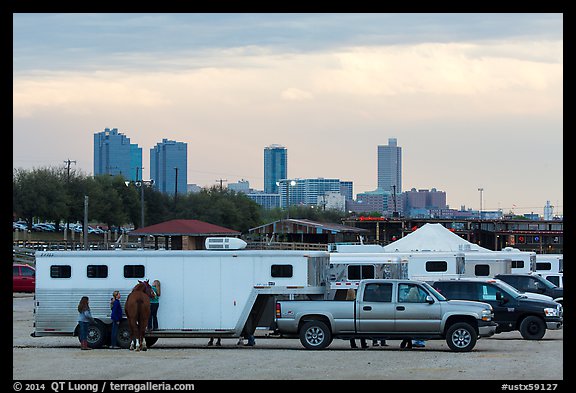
{"x": 390, "y": 167}
{"x": 115, "y": 155}
{"x": 168, "y": 166}
{"x": 275, "y": 167}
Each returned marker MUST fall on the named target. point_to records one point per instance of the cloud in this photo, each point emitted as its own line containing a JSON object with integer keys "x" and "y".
{"x": 293, "y": 94}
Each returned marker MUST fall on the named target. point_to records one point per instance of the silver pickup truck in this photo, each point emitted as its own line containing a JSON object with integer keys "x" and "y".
{"x": 387, "y": 309}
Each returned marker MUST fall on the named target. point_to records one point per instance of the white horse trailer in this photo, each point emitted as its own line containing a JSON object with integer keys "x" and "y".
{"x": 417, "y": 265}
{"x": 486, "y": 264}
{"x": 522, "y": 261}
{"x": 347, "y": 269}
{"x": 204, "y": 293}
{"x": 549, "y": 263}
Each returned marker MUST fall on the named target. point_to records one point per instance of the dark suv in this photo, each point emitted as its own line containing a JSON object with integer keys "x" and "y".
{"x": 512, "y": 310}
{"x": 534, "y": 283}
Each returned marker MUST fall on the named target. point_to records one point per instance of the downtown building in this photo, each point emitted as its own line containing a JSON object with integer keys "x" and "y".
{"x": 275, "y": 167}
{"x": 168, "y": 166}
{"x": 115, "y": 155}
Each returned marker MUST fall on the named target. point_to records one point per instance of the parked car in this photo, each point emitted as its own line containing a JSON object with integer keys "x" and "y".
{"x": 43, "y": 227}
{"x": 23, "y": 278}
{"x": 531, "y": 282}
{"x": 19, "y": 226}
{"x": 531, "y": 314}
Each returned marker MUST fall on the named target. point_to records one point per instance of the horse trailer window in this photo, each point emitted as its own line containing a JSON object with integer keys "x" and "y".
{"x": 436, "y": 266}
{"x": 281, "y": 270}
{"x": 133, "y": 271}
{"x": 517, "y": 264}
{"x": 60, "y": 271}
{"x": 482, "y": 270}
{"x": 360, "y": 272}
{"x": 97, "y": 271}
{"x": 543, "y": 266}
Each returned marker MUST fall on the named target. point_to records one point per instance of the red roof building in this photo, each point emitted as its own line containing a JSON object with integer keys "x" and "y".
{"x": 184, "y": 234}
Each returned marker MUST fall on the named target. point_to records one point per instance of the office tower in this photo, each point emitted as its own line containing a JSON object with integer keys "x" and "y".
{"x": 168, "y": 166}
{"x": 390, "y": 167}
{"x": 115, "y": 155}
{"x": 275, "y": 167}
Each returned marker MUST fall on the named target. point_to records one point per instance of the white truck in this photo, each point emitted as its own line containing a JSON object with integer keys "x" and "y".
{"x": 551, "y": 267}
{"x": 205, "y": 293}
{"x": 387, "y": 309}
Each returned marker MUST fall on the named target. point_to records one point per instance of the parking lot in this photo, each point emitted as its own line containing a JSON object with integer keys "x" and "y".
{"x": 504, "y": 357}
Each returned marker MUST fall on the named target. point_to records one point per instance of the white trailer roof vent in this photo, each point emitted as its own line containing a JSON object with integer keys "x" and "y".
{"x": 224, "y": 243}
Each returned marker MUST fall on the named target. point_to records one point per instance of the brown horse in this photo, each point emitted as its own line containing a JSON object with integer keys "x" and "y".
{"x": 137, "y": 308}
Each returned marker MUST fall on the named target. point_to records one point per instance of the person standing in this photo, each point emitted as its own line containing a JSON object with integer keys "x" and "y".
{"x": 154, "y": 305}
{"x": 351, "y": 295}
{"x": 84, "y": 319}
{"x": 116, "y": 316}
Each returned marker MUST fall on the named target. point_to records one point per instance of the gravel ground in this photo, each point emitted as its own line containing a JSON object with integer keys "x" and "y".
{"x": 504, "y": 357}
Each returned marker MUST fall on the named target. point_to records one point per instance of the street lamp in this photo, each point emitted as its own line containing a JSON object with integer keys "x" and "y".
{"x": 141, "y": 184}
{"x": 288, "y": 184}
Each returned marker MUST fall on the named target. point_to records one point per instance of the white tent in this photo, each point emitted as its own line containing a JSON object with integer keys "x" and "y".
{"x": 432, "y": 237}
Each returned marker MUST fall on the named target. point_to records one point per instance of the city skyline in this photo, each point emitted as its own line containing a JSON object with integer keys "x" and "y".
{"x": 474, "y": 100}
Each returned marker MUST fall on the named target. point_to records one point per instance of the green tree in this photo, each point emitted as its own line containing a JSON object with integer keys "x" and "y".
{"x": 39, "y": 193}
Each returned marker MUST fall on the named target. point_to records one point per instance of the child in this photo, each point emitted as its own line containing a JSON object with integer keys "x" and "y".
{"x": 116, "y": 317}
{"x": 84, "y": 319}
{"x": 154, "y": 304}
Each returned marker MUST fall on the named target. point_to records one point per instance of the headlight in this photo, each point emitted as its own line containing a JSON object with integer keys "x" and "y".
{"x": 486, "y": 315}
{"x": 551, "y": 312}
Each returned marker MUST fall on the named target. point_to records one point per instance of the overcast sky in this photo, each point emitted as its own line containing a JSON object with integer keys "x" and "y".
{"x": 474, "y": 100}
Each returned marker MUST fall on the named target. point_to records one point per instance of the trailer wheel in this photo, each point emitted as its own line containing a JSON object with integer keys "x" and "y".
{"x": 461, "y": 337}
{"x": 315, "y": 335}
{"x": 151, "y": 341}
{"x": 123, "y": 337}
{"x": 532, "y": 328}
{"x": 96, "y": 334}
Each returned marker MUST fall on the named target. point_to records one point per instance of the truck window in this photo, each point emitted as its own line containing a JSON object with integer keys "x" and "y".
{"x": 27, "y": 272}
{"x": 488, "y": 292}
{"x": 60, "y": 271}
{"x": 482, "y": 270}
{"x": 281, "y": 270}
{"x": 436, "y": 266}
{"x": 411, "y": 293}
{"x": 134, "y": 271}
{"x": 96, "y": 271}
{"x": 378, "y": 292}
{"x": 360, "y": 272}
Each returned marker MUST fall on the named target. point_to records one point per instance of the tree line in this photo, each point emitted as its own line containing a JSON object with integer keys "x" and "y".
{"x": 54, "y": 194}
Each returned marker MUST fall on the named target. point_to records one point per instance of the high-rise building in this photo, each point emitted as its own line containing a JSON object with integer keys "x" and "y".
{"x": 390, "y": 167}
{"x": 308, "y": 191}
{"x": 115, "y": 155}
{"x": 275, "y": 167}
{"x": 168, "y": 166}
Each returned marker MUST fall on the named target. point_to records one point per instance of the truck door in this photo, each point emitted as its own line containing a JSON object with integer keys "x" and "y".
{"x": 413, "y": 313}
{"x": 375, "y": 311}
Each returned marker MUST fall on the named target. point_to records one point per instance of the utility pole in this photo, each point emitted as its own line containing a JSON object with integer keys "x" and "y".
{"x": 68, "y": 162}
{"x": 85, "y": 222}
{"x": 221, "y": 180}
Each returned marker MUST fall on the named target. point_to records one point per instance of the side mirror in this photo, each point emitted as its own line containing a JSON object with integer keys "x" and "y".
{"x": 429, "y": 299}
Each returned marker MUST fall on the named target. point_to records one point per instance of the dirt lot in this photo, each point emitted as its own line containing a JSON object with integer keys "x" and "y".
{"x": 504, "y": 356}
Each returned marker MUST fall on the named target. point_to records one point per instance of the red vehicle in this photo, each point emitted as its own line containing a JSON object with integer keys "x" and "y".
{"x": 23, "y": 278}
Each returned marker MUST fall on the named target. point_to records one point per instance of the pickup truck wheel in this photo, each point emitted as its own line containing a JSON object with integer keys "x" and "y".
{"x": 315, "y": 335}
{"x": 532, "y": 328}
{"x": 461, "y": 337}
